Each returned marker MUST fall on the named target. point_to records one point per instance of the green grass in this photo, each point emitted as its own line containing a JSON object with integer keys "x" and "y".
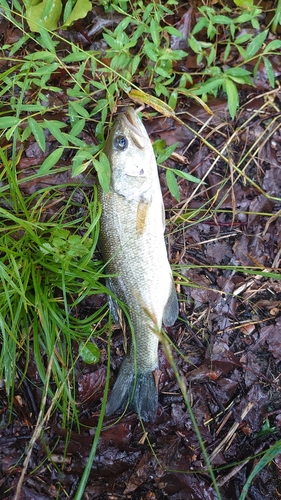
{"x": 46, "y": 272}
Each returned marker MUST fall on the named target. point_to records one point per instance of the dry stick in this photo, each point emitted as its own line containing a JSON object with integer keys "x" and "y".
{"x": 38, "y": 427}
{"x": 231, "y": 432}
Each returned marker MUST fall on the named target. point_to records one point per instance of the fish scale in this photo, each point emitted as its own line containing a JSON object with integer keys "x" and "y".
{"x": 133, "y": 247}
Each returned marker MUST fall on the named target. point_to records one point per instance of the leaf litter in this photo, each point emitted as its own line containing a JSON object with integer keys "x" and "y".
{"x": 227, "y": 338}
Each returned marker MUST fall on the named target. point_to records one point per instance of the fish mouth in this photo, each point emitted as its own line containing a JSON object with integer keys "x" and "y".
{"x": 134, "y": 124}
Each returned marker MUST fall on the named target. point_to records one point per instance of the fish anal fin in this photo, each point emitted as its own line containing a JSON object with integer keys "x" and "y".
{"x": 171, "y": 309}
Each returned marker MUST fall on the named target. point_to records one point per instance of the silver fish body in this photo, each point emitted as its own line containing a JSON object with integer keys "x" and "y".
{"x": 133, "y": 247}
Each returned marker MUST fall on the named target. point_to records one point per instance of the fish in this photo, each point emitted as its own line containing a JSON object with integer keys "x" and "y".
{"x": 132, "y": 244}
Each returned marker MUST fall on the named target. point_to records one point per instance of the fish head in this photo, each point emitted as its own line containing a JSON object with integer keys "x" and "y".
{"x": 131, "y": 156}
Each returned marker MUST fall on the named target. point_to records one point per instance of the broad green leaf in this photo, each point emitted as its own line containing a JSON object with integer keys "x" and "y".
{"x": 80, "y": 10}
{"x": 103, "y": 170}
{"x": 52, "y": 159}
{"x": 255, "y": 45}
{"x": 45, "y": 13}
{"x": 8, "y": 121}
{"x": 89, "y": 352}
{"x": 232, "y": 97}
{"x": 38, "y": 133}
{"x": 172, "y": 184}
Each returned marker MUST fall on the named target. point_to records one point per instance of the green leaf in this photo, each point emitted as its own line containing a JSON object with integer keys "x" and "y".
{"x": 89, "y": 352}
{"x": 78, "y": 127}
{"x": 42, "y": 55}
{"x": 220, "y": 19}
{"x": 269, "y": 71}
{"x": 80, "y": 10}
{"x": 194, "y": 45}
{"x": 201, "y": 24}
{"x": 273, "y": 45}
{"x": 45, "y": 13}
{"x": 245, "y": 4}
{"x": 112, "y": 42}
{"x": 103, "y": 170}
{"x": 80, "y": 162}
{"x": 162, "y": 72}
{"x": 38, "y": 133}
{"x": 8, "y": 121}
{"x": 151, "y": 51}
{"x": 173, "y": 31}
{"x": 48, "y": 43}
{"x": 52, "y": 159}
{"x": 172, "y": 184}
{"x": 238, "y": 72}
{"x": 154, "y": 31}
{"x": 54, "y": 127}
{"x": 243, "y": 38}
{"x": 79, "y": 109}
{"x": 76, "y": 57}
{"x": 187, "y": 176}
{"x": 255, "y": 45}
{"x": 232, "y": 97}
{"x": 163, "y": 153}
{"x": 135, "y": 63}
{"x": 209, "y": 86}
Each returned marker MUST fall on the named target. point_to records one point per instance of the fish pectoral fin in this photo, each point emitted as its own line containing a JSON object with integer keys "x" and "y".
{"x": 171, "y": 309}
{"x": 136, "y": 391}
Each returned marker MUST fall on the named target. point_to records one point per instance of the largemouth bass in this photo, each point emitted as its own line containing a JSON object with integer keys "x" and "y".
{"x": 132, "y": 244}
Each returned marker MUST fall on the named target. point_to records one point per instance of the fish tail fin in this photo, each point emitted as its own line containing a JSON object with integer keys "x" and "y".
{"x": 135, "y": 390}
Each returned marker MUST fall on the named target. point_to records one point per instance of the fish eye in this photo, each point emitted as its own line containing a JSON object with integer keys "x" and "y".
{"x": 121, "y": 142}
